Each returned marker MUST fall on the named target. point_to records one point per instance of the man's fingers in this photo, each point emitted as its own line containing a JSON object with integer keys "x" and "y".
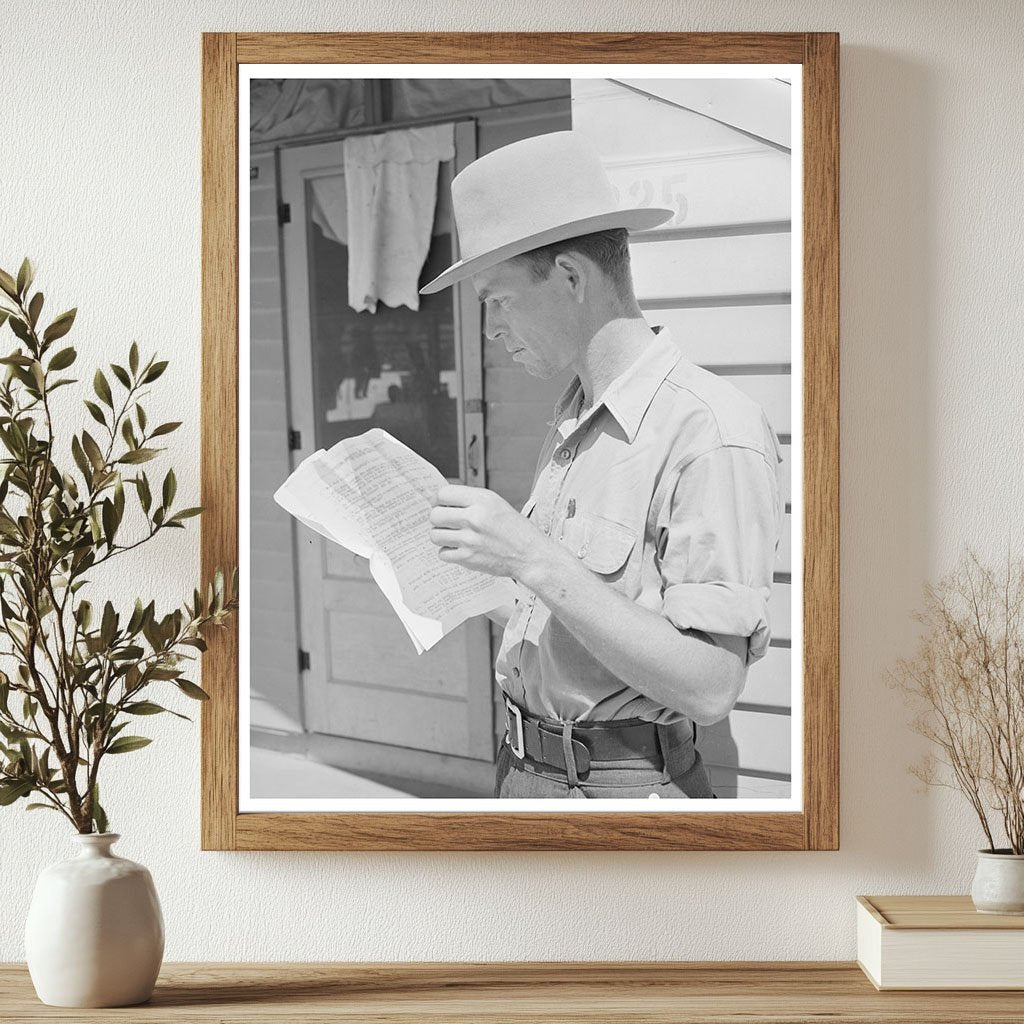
{"x": 458, "y": 495}
{"x": 451, "y": 554}
{"x": 447, "y": 538}
{"x": 446, "y": 517}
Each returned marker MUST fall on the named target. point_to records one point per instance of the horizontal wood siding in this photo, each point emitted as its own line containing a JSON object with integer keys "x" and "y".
{"x": 660, "y": 155}
{"x": 718, "y": 277}
{"x": 728, "y": 336}
{"x": 768, "y": 681}
{"x": 730, "y": 267}
{"x": 731, "y": 784}
{"x": 748, "y": 740}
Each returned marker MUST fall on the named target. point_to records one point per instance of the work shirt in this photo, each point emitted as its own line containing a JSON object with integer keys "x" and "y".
{"x": 666, "y": 488}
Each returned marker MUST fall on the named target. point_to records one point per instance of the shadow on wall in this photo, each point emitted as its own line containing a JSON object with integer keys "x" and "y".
{"x": 888, "y": 268}
{"x": 887, "y": 285}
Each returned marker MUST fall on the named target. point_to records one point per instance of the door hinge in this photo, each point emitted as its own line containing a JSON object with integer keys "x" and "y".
{"x": 303, "y": 660}
{"x": 294, "y": 440}
{"x": 284, "y": 213}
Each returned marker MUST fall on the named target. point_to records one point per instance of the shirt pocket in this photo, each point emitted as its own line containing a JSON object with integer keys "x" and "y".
{"x": 601, "y": 544}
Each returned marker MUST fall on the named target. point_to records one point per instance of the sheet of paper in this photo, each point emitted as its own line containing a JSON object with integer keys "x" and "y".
{"x": 313, "y": 500}
{"x": 373, "y": 495}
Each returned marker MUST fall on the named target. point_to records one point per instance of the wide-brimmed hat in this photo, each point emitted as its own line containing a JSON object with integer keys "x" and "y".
{"x": 531, "y": 193}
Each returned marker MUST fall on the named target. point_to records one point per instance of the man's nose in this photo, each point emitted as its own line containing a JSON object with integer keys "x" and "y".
{"x": 494, "y": 327}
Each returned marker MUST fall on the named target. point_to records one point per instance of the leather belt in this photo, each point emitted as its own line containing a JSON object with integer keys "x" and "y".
{"x": 541, "y": 740}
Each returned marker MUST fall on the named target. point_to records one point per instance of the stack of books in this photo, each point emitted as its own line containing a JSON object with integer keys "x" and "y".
{"x": 938, "y": 942}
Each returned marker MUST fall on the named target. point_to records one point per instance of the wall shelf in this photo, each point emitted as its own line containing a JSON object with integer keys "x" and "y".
{"x": 535, "y": 993}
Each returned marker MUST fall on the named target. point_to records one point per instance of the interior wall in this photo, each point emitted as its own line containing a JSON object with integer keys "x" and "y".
{"x": 102, "y": 188}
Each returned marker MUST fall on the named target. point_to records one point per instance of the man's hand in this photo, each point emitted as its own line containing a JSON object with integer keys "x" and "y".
{"x": 477, "y": 528}
{"x": 699, "y": 676}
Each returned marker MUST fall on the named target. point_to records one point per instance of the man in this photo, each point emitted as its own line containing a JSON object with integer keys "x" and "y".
{"x": 644, "y": 555}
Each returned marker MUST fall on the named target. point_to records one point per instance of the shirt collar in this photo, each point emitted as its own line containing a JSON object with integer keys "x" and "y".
{"x": 629, "y": 396}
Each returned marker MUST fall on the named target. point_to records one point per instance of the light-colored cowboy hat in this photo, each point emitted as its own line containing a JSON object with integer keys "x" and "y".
{"x": 533, "y": 192}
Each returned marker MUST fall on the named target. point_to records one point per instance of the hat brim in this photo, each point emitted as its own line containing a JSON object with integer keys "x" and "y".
{"x": 640, "y": 219}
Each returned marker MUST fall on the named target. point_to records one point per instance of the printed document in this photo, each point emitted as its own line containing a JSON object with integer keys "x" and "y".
{"x": 373, "y": 495}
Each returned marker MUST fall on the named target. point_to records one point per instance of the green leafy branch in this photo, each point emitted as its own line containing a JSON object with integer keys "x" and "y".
{"x": 80, "y": 679}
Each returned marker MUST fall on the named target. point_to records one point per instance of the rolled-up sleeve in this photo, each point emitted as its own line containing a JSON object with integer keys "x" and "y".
{"x": 718, "y": 531}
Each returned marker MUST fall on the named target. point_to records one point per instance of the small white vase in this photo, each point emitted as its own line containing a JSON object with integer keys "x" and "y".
{"x": 999, "y": 882}
{"x": 95, "y": 933}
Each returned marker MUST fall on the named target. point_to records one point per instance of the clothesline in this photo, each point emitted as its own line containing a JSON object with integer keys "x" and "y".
{"x": 340, "y": 134}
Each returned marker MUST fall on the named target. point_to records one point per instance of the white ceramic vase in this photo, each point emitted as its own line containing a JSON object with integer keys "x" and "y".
{"x": 95, "y": 932}
{"x": 999, "y": 882}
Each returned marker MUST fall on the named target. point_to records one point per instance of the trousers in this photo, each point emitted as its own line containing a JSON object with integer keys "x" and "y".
{"x": 682, "y": 775}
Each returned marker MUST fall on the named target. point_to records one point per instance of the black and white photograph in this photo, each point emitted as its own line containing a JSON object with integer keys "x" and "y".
{"x": 519, "y": 437}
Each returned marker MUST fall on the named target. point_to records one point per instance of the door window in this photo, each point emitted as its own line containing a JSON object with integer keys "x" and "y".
{"x": 396, "y": 368}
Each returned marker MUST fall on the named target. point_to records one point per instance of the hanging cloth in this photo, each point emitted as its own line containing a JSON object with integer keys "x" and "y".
{"x": 391, "y": 190}
{"x": 329, "y": 207}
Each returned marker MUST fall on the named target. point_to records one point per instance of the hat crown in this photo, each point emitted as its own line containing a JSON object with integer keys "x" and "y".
{"x": 528, "y": 188}
{"x": 532, "y": 193}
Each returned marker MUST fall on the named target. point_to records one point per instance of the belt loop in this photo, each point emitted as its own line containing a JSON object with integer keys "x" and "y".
{"x": 664, "y": 744}
{"x": 569, "y": 755}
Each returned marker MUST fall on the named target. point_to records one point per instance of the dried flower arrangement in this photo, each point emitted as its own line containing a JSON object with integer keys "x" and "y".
{"x": 967, "y": 682}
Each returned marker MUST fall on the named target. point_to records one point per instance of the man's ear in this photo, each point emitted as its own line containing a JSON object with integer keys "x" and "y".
{"x": 574, "y": 273}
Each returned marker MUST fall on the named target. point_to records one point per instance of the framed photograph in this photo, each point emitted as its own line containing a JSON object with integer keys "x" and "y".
{"x": 520, "y": 418}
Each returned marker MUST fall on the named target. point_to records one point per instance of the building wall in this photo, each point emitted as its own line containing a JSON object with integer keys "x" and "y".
{"x": 103, "y": 190}
{"x": 717, "y": 277}
{"x": 514, "y": 434}
{"x": 275, "y": 681}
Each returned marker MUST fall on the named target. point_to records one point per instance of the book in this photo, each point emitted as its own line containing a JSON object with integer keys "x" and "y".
{"x": 938, "y": 942}
{"x": 372, "y": 495}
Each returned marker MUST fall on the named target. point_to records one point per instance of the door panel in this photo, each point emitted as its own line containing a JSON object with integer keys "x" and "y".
{"x": 355, "y": 711}
{"x": 412, "y": 373}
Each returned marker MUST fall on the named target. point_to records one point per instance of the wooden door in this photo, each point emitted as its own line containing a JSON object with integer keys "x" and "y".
{"x": 418, "y": 374}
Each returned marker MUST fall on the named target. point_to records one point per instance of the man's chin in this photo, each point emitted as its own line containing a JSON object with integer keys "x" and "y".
{"x": 540, "y": 372}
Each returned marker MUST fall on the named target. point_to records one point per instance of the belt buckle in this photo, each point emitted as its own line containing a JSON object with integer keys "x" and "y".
{"x": 517, "y": 746}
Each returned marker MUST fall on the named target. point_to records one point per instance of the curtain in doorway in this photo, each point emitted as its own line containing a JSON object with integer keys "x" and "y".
{"x": 391, "y": 192}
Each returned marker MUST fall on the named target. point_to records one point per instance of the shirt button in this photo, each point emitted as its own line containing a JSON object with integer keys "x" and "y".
{"x": 565, "y": 455}
{"x": 516, "y": 672}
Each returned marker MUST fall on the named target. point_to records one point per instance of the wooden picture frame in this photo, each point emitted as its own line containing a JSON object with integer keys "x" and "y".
{"x": 816, "y": 825}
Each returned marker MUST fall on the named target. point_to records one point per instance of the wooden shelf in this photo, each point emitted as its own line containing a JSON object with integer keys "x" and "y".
{"x": 631, "y": 993}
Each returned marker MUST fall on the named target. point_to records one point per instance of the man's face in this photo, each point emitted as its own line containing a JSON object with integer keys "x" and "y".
{"x": 537, "y": 321}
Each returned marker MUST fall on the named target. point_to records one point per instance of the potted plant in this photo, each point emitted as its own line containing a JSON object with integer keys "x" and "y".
{"x": 79, "y": 672}
{"x": 967, "y": 682}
